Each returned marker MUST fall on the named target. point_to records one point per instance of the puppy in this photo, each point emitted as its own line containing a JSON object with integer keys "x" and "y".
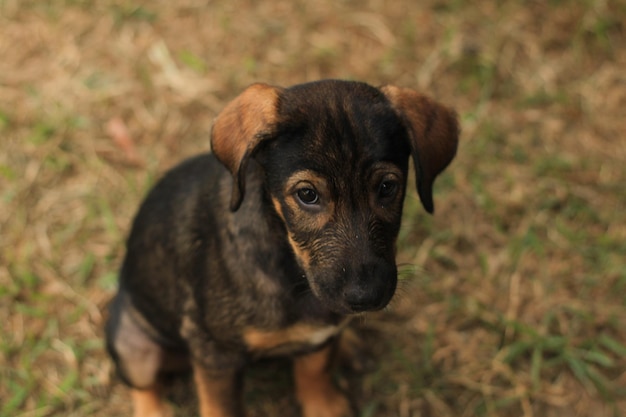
{"x": 267, "y": 245}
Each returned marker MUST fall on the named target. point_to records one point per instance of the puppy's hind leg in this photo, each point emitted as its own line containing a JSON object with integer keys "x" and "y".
{"x": 138, "y": 358}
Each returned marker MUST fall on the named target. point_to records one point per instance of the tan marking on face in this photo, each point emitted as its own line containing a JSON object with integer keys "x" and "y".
{"x": 301, "y": 333}
{"x": 308, "y": 219}
{"x": 278, "y": 208}
{"x": 303, "y": 255}
{"x": 386, "y": 167}
{"x": 298, "y": 215}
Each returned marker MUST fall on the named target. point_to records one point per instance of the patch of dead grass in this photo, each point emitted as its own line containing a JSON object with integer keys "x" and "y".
{"x": 516, "y": 306}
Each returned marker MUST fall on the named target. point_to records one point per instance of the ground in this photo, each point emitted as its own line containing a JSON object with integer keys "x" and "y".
{"x": 512, "y": 296}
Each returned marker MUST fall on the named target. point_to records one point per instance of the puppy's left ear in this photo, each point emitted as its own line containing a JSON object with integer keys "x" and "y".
{"x": 433, "y": 135}
{"x": 237, "y": 131}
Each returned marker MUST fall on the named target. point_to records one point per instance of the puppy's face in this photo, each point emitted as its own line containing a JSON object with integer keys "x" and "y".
{"x": 335, "y": 156}
{"x": 337, "y": 176}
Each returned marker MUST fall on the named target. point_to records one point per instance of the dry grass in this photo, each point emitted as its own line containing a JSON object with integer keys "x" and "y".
{"x": 513, "y": 300}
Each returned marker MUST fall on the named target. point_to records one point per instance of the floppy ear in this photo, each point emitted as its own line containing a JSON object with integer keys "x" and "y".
{"x": 243, "y": 124}
{"x": 433, "y": 135}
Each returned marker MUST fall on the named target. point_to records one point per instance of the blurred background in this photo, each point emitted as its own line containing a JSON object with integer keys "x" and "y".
{"x": 512, "y": 296}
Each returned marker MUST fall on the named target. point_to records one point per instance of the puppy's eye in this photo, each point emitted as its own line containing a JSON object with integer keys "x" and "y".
{"x": 387, "y": 189}
{"x": 308, "y": 196}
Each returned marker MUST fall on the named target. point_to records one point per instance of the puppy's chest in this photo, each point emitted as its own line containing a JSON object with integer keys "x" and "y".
{"x": 297, "y": 338}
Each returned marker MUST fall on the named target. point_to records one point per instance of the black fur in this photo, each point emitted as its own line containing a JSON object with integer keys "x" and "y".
{"x": 200, "y": 275}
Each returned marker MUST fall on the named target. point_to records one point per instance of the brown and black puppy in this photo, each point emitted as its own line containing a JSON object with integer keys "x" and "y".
{"x": 266, "y": 246}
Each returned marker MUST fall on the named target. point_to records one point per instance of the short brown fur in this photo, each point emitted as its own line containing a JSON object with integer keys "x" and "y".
{"x": 240, "y": 127}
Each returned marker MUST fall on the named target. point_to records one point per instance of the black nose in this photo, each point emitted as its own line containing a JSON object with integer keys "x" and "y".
{"x": 370, "y": 286}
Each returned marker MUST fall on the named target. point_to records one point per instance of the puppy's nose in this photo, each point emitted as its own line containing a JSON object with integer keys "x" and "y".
{"x": 371, "y": 287}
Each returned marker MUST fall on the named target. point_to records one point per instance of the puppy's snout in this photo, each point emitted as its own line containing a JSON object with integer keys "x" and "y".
{"x": 370, "y": 286}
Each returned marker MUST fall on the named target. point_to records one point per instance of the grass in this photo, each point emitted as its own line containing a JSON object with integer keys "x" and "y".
{"x": 512, "y": 298}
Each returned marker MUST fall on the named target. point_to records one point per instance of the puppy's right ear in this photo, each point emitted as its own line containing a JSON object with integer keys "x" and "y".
{"x": 244, "y": 123}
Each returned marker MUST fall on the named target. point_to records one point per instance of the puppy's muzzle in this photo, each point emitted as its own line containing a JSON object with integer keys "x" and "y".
{"x": 369, "y": 287}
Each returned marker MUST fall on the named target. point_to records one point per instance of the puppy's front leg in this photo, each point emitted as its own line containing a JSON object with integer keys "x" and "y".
{"x": 218, "y": 392}
{"x": 315, "y": 390}
{"x": 148, "y": 403}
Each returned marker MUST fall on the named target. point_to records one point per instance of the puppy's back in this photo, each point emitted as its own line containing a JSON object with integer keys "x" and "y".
{"x": 168, "y": 231}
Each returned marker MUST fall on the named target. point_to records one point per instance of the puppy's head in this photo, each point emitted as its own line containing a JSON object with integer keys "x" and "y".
{"x": 335, "y": 156}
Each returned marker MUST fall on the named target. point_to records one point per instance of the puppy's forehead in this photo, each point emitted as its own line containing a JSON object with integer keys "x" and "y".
{"x": 324, "y": 101}
{"x": 342, "y": 120}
